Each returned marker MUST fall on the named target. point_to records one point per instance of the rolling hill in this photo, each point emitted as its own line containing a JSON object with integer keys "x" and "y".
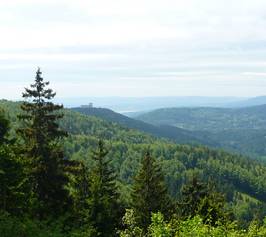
{"x": 126, "y": 105}
{"x": 247, "y": 141}
{"x": 178, "y": 135}
{"x": 240, "y": 130}
{"x": 209, "y": 119}
{"x": 233, "y": 174}
{"x": 85, "y": 130}
{"x": 259, "y": 100}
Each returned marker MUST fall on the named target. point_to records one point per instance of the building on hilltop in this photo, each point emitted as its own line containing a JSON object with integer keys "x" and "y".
{"x": 90, "y": 105}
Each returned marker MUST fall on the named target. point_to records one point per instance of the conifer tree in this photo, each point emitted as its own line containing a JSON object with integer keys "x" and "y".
{"x": 79, "y": 191}
{"x": 201, "y": 199}
{"x": 149, "y": 192}
{"x": 11, "y": 173}
{"x": 42, "y": 150}
{"x": 104, "y": 200}
{"x": 4, "y": 127}
{"x": 192, "y": 194}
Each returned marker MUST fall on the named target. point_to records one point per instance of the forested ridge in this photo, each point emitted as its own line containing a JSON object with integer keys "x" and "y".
{"x": 177, "y": 135}
{"x": 63, "y": 173}
{"x": 240, "y": 130}
{"x": 208, "y": 118}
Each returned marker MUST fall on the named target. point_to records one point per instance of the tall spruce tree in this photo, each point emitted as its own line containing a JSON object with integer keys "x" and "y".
{"x": 104, "y": 200}
{"x": 42, "y": 150}
{"x": 149, "y": 192}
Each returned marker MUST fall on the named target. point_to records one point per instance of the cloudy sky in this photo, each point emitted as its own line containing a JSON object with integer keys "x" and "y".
{"x": 134, "y": 48}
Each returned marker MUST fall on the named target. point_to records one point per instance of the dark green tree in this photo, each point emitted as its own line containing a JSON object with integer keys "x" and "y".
{"x": 79, "y": 188}
{"x": 192, "y": 194}
{"x": 200, "y": 198}
{"x": 12, "y": 179}
{"x": 149, "y": 192}
{"x": 79, "y": 191}
{"x": 4, "y": 128}
{"x": 103, "y": 203}
{"x": 42, "y": 149}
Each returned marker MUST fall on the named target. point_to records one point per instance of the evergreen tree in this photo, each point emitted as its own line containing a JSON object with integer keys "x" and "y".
{"x": 149, "y": 192}
{"x": 192, "y": 194}
{"x": 12, "y": 178}
{"x": 4, "y": 127}
{"x": 80, "y": 193}
{"x": 104, "y": 200}
{"x": 201, "y": 199}
{"x": 42, "y": 150}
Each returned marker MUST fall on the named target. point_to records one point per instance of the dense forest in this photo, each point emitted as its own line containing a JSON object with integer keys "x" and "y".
{"x": 64, "y": 173}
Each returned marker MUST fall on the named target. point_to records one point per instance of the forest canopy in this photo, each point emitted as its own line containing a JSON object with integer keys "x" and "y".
{"x": 63, "y": 173}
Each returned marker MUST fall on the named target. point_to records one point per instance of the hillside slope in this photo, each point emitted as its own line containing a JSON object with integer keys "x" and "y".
{"x": 178, "y": 135}
{"x": 259, "y": 100}
{"x": 241, "y": 130}
{"x": 209, "y": 119}
{"x": 126, "y": 147}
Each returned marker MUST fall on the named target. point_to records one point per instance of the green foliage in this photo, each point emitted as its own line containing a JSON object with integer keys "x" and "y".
{"x": 241, "y": 130}
{"x": 130, "y": 223}
{"x": 208, "y": 118}
{"x": 197, "y": 228}
{"x": 82, "y": 198}
{"x": 42, "y": 150}
{"x": 193, "y": 194}
{"x": 79, "y": 192}
{"x": 4, "y": 128}
{"x": 12, "y": 182}
{"x": 158, "y": 227}
{"x": 232, "y": 173}
{"x": 176, "y": 134}
{"x": 149, "y": 191}
{"x": 20, "y": 227}
{"x": 103, "y": 202}
{"x": 12, "y": 179}
{"x": 200, "y": 199}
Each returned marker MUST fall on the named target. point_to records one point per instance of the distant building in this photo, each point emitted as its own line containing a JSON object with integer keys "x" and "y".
{"x": 90, "y": 105}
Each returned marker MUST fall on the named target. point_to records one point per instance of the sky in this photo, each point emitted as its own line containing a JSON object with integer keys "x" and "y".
{"x": 134, "y": 48}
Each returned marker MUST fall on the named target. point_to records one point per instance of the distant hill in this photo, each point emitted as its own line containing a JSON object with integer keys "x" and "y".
{"x": 260, "y": 100}
{"x": 178, "y": 135}
{"x": 132, "y": 105}
{"x": 209, "y": 119}
{"x": 237, "y": 129}
{"x": 136, "y": 104}
{"x": 243, "y": 131}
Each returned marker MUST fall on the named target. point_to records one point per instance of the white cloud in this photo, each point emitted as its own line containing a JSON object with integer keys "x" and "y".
{"x": 204, "y": 41}
{"x": 108, "y": 22}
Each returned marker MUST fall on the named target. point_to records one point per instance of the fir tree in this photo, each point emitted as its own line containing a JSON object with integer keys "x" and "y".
{"x": 104, "y": 200}
{"x": 149, "y": 192}
{"x": 42, "y": 149}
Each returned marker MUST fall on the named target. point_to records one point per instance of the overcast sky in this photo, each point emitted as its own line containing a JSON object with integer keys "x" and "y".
{"x": 134, "y": 47}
